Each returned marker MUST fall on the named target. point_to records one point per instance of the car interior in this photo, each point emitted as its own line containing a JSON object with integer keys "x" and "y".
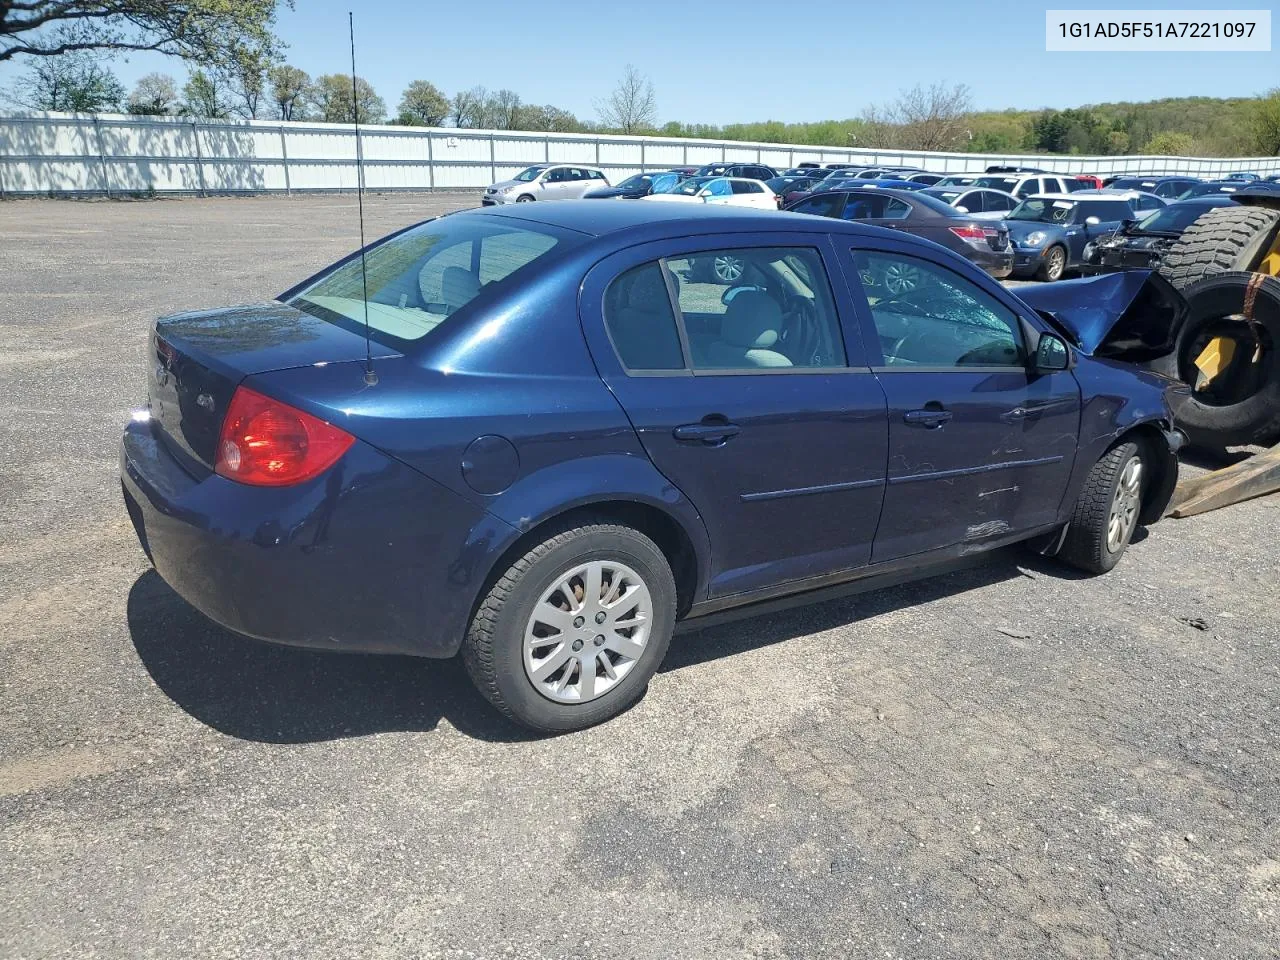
{"x": 925, "y": 315}
{"x": 741, "y": 309}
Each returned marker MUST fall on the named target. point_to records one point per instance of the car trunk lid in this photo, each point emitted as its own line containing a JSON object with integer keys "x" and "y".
{"x": 198, "y": 359}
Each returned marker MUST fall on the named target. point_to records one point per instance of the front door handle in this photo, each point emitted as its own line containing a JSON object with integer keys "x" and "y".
{"x": 930, "y": 419}
{"x": 708, "y": 433}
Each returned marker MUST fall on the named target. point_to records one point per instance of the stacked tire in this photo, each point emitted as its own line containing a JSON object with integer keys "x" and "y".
{"x": 1211, "y": 265}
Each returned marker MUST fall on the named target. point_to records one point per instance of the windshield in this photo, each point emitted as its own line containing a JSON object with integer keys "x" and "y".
{"x": 419, "y": 278}
{"x": 1007, "y": 184}
{"x": 1203, "y": 189}
{"x": 690, "y": 187}
{"x": 1171, "y": 219}
{"x": 956, "y": 181}
{"x": 528, "y": 174}
{"x": 1131, "y": 183}
{"x": 947, "y": 196}
{"x": 1043, "y": 211}
{"x": 638, "y": 182}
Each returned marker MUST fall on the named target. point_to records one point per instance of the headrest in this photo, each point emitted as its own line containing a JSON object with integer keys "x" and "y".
{"x": 648, "y": 292}
{"x": 752, "y": 321}
{"x": 458, "y": 286}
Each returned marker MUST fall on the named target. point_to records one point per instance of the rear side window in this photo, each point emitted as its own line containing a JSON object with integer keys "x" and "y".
{"x": 823, "y": 205}
{"x": 640, "y": 321}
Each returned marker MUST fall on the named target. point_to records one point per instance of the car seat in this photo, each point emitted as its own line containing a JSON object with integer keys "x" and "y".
{"x": 747, "y": 332}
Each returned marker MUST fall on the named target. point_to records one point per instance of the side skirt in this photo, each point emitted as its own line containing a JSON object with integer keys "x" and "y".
{"x": 845, "y": 583}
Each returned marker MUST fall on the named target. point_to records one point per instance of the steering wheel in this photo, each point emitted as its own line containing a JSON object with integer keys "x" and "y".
{"x": 799, "y": 339}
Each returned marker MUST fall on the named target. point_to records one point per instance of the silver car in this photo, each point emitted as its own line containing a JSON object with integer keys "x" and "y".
{"x": 545, "y": 181}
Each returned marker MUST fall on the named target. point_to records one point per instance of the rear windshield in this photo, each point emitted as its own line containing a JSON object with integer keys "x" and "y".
{"x": 419, "y": 278}
{"x": 1007, "y": 184}
{"x": 1172, "y": 219}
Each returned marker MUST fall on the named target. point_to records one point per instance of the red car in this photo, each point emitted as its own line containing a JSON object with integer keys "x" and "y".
{"x": 1093, "y": 183}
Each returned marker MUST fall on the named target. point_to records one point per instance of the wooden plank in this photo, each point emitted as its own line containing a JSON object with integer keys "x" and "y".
{"x": 1255, "y": 477}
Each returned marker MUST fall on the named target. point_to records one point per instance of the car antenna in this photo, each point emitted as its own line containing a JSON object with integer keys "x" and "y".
{"x": 370, "y": 378}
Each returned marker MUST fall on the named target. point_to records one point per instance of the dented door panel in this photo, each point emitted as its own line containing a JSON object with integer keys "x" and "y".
{"x": 998, "y": 465}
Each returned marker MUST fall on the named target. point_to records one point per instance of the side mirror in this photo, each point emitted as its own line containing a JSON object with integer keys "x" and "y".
{"x": 1091, "y": 221}
{"x": 1051, "y": 354}
{"x": 962, "y": 209}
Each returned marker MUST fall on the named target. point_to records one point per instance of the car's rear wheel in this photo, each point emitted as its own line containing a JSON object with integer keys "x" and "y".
{"x": 570, "y": 634}
{"x": 1054, "y": 264}
{"x": 1107, "y": 511}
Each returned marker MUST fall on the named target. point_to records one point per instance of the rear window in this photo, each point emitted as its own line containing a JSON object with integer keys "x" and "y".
{"x": 421, "y": 277}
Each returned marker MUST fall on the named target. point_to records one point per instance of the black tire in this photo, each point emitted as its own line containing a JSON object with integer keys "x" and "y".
{"x": 1085, "y": 545}
{"x": 493, "y": 650}
{"x": 1224, "y": 239}
{"x": 524, "y": 198}
{"x": 1243, "y": 407}
{"x": 1055, "y": 256}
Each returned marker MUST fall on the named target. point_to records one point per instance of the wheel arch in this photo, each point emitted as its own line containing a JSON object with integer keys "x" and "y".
{"x": 1150, "y": 435}
{"x": 689, "y": 564}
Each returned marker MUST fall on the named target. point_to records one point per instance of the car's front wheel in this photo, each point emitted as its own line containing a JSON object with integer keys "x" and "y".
{"x": 570, "y": 634}
{"x": 524, "y": 198}
{"x": 1054, "y": 264}
{"x": 1107, "y": 510}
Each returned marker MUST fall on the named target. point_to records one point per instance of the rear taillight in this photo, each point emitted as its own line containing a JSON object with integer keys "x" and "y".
{"x": 270, "y": 444}
{"x": 970, "y": 232}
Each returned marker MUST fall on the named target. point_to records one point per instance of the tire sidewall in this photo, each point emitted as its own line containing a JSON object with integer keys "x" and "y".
{"x": 524, "y": 198}
{"x": 518, "y": 691}
{"x": 1132, "y": 449}
{"x": 1254, "y": 419}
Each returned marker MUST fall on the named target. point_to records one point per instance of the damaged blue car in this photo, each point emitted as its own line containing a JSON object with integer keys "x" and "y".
{"x": 542, "y": 436}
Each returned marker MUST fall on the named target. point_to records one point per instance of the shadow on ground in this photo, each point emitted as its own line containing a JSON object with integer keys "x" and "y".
{"x": 275, "y": 694}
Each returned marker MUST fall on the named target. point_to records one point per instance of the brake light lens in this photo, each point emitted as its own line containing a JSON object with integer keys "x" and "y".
{"x": 267, "y": 443}
{"x": 969, "y": 232}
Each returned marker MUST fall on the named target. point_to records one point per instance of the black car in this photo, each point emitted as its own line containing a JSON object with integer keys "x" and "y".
{"x": 1166, "y": 188}
{"x": 1141, "y": 245}
{"x": 752, "y": 171}
{"x": 788, "y": 183}
{"x": 1210, "y": 188}
{"x": 985, "y": 242}
{"x": 641, "y": 185}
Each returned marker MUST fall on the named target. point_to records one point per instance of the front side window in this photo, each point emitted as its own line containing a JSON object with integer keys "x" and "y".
{"x": 718, "y": 188}
{"x": 927, "y": 316}
{"x": 528, "y": 174}
{"x": 757, "y": 308}
{"x": 419, "y": 278}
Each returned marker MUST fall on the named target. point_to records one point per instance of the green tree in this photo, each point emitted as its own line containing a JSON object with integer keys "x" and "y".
{"x": 1264, "y": 124}
{"x": 330, "y": 98}
{"x": 290, "y": 88}
{"x": 1170, "y": 144}
{"x": 76, "y": 83}
{"x": 155, "y": 94}
{"x": 423, "y": 105}
{"x": 1117, "y": 142}
{"x": 245, "y": 78}
{"x": 204, "y": 96}
{"x": 205, "y": 31}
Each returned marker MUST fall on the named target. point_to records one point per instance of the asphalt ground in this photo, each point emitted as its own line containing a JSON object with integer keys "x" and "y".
{"x": 1010, "y": 761}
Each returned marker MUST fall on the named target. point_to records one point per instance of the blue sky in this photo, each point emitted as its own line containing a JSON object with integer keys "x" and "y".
{"x": 738, "y": 63}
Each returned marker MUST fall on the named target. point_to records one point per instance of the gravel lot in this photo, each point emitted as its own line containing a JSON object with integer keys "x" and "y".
{"x": 1007, "y": 762}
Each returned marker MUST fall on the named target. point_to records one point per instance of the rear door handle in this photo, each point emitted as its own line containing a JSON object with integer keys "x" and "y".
{"x": 931, "y": 419}
{"x": 710, "y": 433}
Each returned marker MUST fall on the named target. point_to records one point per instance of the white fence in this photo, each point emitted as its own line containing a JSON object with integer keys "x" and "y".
{"x": 62, "y": 153}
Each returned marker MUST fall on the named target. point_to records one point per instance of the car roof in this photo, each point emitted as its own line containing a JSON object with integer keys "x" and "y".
{"x": 666, "y": 219}
{"x": 1115, "y": 197}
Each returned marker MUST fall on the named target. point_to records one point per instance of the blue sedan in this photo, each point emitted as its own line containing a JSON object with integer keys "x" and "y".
{"x": 533, "y": 437}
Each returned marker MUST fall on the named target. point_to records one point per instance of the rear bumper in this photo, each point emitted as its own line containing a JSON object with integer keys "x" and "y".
{"x": 996, "y": 263}
{"x": 370, "y": 556}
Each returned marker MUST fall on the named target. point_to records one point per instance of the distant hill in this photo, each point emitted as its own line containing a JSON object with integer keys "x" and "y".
{"x": 1195, "y": 126}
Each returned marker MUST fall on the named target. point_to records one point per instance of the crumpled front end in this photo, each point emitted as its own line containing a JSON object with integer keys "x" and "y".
{"x": 1135, "y": 315}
